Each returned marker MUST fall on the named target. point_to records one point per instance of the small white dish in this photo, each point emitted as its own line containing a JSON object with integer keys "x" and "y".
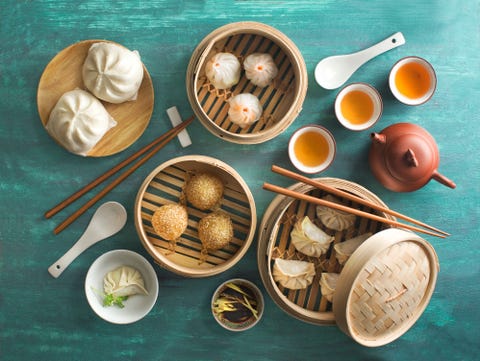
{"x": 368, "y": 94}
{"x": 136, "y": 306}
{"x": 420, "y": 76}
{"x": 311, "y": 149}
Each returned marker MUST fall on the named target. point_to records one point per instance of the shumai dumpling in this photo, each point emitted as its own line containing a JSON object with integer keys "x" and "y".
{"x": 78, "y": 121}
{"x": 124, "y": 281}
{"x": 260, "y": 69}
{"x": 333, "y": 218}
{"x": 293, "y": 274}
{"x": 344, "y": 250}
{"x": 328, "y": 283}
{"x": 308, "y": 239}
{"x": 245, "y": 109}
{"x": 223, "y": 70}
{"x": 112, "y": 73}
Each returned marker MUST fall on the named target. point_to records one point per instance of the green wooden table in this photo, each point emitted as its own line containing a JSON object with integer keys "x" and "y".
{"x": 42, "y": 318}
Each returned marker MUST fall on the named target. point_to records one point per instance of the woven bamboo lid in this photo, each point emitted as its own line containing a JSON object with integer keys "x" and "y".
{"x": 385, "y": 286}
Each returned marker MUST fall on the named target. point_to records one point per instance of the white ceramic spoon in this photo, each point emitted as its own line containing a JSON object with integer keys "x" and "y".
{"x": 334, "y": 71}
{"x": 107, "y": 220}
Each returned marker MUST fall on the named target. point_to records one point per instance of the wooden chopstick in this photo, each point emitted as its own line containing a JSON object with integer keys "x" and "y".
{"x": 112, "y": 171}
{"x": 167, "y": 137}
{"x": 352, "y": 197}
{"x": 322, "y": 202}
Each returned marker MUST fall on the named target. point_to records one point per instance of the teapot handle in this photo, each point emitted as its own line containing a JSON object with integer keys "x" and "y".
{"x": 442, "y": 179}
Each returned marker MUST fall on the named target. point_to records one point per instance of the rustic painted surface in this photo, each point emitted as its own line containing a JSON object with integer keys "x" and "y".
{"x": 42, "y": 318}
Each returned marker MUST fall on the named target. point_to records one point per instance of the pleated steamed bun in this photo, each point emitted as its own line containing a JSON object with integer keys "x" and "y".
{"x": 223, "y": 70}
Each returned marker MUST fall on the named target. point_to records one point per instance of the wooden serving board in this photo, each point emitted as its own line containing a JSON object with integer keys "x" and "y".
{"x": 64, "y": 73}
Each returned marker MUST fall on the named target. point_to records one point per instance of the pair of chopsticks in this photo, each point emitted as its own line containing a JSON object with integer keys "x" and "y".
{"x": 317, "y": 184}
{"x": 157, "y": 144}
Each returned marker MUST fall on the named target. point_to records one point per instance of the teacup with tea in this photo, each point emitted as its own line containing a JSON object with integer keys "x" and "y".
{"x": 358, "y": 106}
{"x": 412, "y": 80}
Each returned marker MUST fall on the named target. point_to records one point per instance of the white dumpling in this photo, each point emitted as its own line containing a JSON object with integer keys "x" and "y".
{"x": 260, "y": 69}
{"x": 245, "y": 109}
{"x": 78, "y": 121}
{"x": 344, "y": 250}
{"x": 124, "y": 281}
{"x": 112, "y": 72}
{"x": 309, "y": 239}
{"x": 328, "y": 283}
{"x": 223, "y": 70}
{"x": 333, "y": 218}
{"x": 293, "y": 274}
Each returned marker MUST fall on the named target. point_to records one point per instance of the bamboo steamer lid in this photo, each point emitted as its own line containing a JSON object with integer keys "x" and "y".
{"x": 385, "y": 286}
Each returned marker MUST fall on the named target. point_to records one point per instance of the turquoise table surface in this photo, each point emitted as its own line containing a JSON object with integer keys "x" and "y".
{"x": 42, "y": 318}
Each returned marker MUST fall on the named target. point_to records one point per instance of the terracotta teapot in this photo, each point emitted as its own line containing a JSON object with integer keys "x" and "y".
{"x": 404, "y": 157}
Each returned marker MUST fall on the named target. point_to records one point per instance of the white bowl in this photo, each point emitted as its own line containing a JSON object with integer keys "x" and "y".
{"x": 136, "y": 306}
{"x": 310, "y": 169}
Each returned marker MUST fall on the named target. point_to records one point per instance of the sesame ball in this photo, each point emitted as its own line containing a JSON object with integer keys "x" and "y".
{"x": 204, "y": 190}
{"x": 215, "y": 230}
{"x": 170, "y": 221}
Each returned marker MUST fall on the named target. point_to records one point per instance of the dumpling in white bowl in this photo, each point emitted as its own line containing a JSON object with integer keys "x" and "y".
{"x": 78, "y": 121}
{"x": 260, "y": 69}
{"x": 223, "y": 70}
{"x": 245, "y": 109}
{"x": 112, "y": 73}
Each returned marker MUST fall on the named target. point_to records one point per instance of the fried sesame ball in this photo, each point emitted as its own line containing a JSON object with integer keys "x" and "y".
{"x": 215, "y": 230}
{"x": 204, "y": 190}
{"x": 170, "y": 221}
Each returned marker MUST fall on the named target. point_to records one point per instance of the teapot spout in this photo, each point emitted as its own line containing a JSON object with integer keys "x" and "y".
{"x": 378, "y": 138}
{"x": 442, "y": 179}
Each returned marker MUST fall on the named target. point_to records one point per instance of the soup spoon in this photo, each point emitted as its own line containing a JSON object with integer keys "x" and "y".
{"x": 107, "y": 220}
{"x": 332, "y": 72}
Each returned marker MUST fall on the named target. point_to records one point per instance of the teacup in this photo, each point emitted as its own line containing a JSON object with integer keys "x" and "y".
{"x": 412, "y": 80}
{"x": 358, "y": 106}
{"x": 311, "y": 149}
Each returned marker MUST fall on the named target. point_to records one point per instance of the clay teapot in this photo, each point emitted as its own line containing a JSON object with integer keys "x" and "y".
{"x": 404, "y": 157}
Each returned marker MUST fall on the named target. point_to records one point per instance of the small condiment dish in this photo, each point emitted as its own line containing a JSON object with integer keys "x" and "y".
{"x": 136, "y": 306}
{"x": 412, "y": 80}
{"x": 232, "y": 309}
{"x": 311, "y": 149}
{"x": 358, "y": 106}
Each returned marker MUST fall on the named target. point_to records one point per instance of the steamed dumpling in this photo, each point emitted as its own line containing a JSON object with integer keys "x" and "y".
{"x": 293, "y": 274}
{"x": 223, "y": 70}
{"x": 307, "y": 238}
{"x": 78, "y": 121}
{"x": 124, "y": 281}
{"x": 328, "y": 283}
{"x": 112, "y": 72}
{"x": 333, "y": 218}
{"x": 245, "y": 109}
{"x": 260, "y": 69}
{"x": 345, "y": 249}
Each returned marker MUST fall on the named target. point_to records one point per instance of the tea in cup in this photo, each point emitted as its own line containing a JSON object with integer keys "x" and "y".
{"x": 311, "y": 149}
{"x": 412, "y": 80}
{"x": 358, "y": 106}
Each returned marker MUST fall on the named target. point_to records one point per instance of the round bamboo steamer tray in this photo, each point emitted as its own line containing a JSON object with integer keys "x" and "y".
{"x": 165, "y": 185}
{"x": 282, "y": 100}
{"x": 385, "y": 286}
{"x": 280, "y": 216}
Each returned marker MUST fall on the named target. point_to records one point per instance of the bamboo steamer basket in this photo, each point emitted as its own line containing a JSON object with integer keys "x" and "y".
{"x": 165, "y": 185}
{"x": 282, "y": 100}
{"x": 382, "y": 289}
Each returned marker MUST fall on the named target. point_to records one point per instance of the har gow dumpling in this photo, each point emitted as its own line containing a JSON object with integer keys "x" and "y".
{"x": 223, "y": 70}
{"x": 245, "y": 109}
{"x": 345, "y": 249}
{"x": 328, "y": 283}
{"x": 112, "y": 72}
{"x": 333, "y": 218}
{"x": 309, "y": 239}
{"x": 293, "y": 274}
{"x": 78, "y": 121}
{"x": 124, "y": 281}
{"x": 260, "y": 69}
